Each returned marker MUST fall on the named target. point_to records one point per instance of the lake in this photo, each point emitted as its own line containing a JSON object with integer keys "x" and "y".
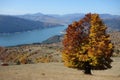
{"x": 34, "y": 36}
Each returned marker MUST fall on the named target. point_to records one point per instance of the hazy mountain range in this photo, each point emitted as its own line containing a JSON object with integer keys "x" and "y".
{"x": 18, "y": 23}
{"x": 11, "y": 24}
{"x": 112, "y": 21}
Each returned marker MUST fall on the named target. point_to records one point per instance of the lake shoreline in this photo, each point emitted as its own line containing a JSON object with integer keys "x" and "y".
{"x": 29, "y": 37}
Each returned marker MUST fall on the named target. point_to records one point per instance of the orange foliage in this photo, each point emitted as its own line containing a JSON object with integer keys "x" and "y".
{"x": 87, "y": 41}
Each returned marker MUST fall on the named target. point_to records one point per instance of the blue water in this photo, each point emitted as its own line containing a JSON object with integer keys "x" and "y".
{"x": 35, "y": 36}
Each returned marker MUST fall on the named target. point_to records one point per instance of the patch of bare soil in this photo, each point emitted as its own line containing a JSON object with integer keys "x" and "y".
{"x": 57, "y": 71}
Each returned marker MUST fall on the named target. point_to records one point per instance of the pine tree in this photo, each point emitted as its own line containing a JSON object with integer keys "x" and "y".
{"x": 87, "y": 45}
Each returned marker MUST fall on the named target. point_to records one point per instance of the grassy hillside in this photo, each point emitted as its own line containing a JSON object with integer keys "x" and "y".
{"x": 31, "y": 53}
{"x": 57, "y": 71}
{"x": 115, "y": 38}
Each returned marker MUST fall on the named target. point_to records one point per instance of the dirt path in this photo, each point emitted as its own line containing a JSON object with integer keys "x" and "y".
{"x": 56, "y": 71}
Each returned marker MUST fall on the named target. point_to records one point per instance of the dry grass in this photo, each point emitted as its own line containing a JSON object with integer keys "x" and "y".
{"x": 35, "y": 53}
{"x": 57, "y": 71}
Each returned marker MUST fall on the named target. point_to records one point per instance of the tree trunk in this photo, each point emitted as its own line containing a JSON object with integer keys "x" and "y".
{"x": 87, "y": 68}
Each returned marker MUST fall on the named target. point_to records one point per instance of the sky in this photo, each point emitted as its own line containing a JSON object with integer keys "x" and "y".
{"x": 17, "y": 7}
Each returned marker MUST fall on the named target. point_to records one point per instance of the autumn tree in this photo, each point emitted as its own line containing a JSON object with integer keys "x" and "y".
{"x": 87, "y": 45}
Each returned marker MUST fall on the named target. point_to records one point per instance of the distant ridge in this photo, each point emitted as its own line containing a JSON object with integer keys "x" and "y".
{"x": 19, "y": 23}
{"x": 112, "y": 21}
{"x": 11, "y": 24}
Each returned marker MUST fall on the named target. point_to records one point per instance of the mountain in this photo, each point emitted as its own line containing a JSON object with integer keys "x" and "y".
{"x": 19, "y": 23}
{"x": 42, "y": 18}
{"x": 53, "y": 18}
{"x": 53, "y": 39}
{"x": 109, "y": 16}
{"x": 11, "y": 24}
{"x": 112, "y": 21}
